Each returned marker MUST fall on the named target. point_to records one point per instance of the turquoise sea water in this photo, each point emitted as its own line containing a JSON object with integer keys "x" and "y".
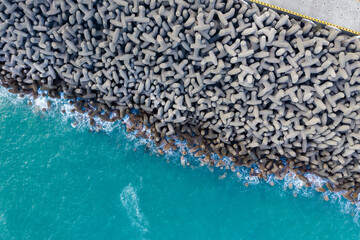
{"x": 61, "y": 182}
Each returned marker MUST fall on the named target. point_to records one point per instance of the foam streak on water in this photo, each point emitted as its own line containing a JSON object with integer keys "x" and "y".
{"x": 131, "y": 203}
{"x": 129, "y": 197}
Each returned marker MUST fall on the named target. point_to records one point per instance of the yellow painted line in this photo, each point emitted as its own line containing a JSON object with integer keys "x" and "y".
{"x": 304, "y": 16}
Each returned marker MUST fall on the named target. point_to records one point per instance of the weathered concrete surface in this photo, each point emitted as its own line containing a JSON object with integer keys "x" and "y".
{"x": 344, "y": 13}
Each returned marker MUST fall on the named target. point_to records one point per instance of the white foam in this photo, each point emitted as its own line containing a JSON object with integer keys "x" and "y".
{"x": 131, "y": 203}
{"x": 82, "y": 122}
{"x": 290, "y": 178}
{"x": 57, "y": 106}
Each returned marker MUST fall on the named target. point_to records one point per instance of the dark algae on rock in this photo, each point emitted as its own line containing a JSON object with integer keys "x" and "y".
{"x": 231, "y": 78}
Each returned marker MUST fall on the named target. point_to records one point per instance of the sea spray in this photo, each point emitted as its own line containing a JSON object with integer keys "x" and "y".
{"x": 188, "y": 202}
{"x": 241, "y": 173}
{"x": 238, "y": 76}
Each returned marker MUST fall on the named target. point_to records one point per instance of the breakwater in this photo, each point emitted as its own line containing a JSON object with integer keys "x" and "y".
{"x": 69, "y": 179}
{"x": 231, "y": 78}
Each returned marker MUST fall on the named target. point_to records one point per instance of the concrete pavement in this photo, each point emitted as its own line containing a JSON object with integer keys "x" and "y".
{"x": 344, "y": 13}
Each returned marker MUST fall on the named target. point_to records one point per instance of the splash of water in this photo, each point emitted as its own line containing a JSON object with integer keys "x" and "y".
{"x": 81, "y": 122}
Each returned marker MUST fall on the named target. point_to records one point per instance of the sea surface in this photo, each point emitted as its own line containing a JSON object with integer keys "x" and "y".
{"x": 59, "y": 180}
